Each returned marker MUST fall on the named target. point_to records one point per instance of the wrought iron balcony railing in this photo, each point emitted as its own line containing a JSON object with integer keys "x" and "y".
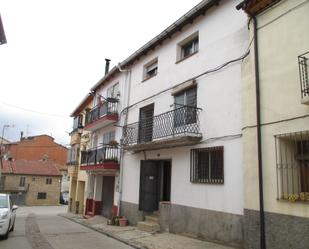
{"x": 303, "y": 63}
{"x": 182, "y": 120}
{"x": 100, "y": 155}
{"x": 109, "y": 107}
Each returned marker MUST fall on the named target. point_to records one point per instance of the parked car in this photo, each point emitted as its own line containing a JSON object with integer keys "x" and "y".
{"x": 7, "y": 215}
{"x": 64, "y": 197}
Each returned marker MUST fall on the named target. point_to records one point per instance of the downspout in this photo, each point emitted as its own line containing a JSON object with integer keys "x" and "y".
{"x": 259, "y": 137}
{"x": 128, "y": 85}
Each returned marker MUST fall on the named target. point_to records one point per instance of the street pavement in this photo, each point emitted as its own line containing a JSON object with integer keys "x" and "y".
{"x": 42, "y": 228}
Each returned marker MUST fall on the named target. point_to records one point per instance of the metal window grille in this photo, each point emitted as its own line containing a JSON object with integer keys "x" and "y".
{"x": 292, "y": 166}
{"x": 303, "y": 64}
{"x": 207, "y": 165}
{"x": 41, "y": 196}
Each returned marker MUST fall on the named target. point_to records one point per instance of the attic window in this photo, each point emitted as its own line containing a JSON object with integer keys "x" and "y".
{"x": 150, "y": 69}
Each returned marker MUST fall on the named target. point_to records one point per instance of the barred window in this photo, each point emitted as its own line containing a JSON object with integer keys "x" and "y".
{"x": 207, "y": 165}
{"x": 292, "y": 165}
{"x": 41, "y": 196}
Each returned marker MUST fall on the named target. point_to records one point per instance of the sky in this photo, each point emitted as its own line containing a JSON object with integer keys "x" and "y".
{"x": 56, "y": 52}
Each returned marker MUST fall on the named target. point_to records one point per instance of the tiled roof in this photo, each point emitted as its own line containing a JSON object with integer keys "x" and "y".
{"x": 24, "y": 167}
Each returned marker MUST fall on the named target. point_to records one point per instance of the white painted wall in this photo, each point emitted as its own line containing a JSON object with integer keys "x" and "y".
{"x": 222, "y": 37}
{"x": 283, "y": 36}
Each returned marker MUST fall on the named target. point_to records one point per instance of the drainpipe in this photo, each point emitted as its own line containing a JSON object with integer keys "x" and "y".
{"x": 128, "y": 84}
{"x": 259, "y": 137}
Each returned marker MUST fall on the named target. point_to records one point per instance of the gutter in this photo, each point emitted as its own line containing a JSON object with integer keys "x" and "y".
{"x": 243, "y": 6}
{"x": 259, "y": 137}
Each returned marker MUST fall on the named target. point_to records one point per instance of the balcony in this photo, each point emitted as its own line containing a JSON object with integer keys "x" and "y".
{"x": 102, "y": 115}
{"x": 104, "y": 158}
{"x": 179, "y": 127}
{"x": 304, "y": 78}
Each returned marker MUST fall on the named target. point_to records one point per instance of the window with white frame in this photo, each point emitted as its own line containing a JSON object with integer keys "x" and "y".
{"x": 292, "y": 166}
{"x": 207, "y": 165}
{"x": 188, "y": 47}
{"x": 150, "y": 69}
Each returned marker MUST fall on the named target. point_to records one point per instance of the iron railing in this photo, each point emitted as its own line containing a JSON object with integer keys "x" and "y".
{"x": 99, "y": 155}
{"x": 106, "y": 108}
{"x": 292, "y": 158}
{"x": 182, "y": 120}
{"x": 303, "y": 74}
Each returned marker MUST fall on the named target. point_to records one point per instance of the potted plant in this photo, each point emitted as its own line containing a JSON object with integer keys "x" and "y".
{"x": 123, "y": 221}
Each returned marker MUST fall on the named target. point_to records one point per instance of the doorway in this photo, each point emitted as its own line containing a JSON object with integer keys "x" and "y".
{"x": 108, "y": 195}
{"x": 155, "y": 184}
{"x": 145, "y": 124}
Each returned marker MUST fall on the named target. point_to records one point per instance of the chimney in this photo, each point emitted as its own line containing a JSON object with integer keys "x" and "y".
{"x": 107, "y": 65}
{"x": 21, "y": 135}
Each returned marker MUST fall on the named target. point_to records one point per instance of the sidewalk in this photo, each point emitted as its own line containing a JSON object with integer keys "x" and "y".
{"x": 143, "y": 240}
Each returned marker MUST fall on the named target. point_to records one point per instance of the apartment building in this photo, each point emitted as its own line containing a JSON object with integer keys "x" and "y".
{"x": 276, "y": 125}
{"x": 79, "y": 142}
{"x": 165, "y": 139}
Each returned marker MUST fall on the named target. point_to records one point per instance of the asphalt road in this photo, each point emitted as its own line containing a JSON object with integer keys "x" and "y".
{"x": 42, "y": 228}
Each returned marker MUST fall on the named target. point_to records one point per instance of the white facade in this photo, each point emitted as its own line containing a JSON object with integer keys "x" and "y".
{"x": 222, "y": 37}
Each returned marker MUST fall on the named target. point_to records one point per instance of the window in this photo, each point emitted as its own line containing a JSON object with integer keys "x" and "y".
{"x": 2, "y": 182}
{"x": 188, "y": 47}
{"x": 42, "y": 196}
{"x": 207, "y": 165}
{"x": 113, "y": 91}
{"x": 49, "y": 180}
{"x": 185, "y": 107}
{"x": 78, "y": 122}
{"x": 150, "y": 69}
{"x": 22, "y": 181}
{"x": 292, "y": 158}
{"x": 33, "y": 178}
{"x": 303, "y": 74}
{"x": 108, "y": 136}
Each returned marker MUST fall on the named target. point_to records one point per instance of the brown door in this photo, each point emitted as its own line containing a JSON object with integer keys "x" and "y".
{"x": 145, "y": 123}
{"x": 108, "y": 195}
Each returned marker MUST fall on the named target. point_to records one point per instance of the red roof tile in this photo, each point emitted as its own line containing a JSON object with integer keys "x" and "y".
{"x": 24, "y": 167}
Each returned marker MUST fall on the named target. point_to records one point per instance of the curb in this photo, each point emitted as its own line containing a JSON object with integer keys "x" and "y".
{"x": 108, "y": 234}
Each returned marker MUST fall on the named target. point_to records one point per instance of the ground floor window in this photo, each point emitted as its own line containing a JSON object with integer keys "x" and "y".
{"x": 207, "y": 165}
{"x": 42, "y": 196}
{"x": 292, "y": 166}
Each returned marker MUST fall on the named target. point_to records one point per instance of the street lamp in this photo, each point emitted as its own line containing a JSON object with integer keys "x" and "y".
{"x": 1, "y": 144}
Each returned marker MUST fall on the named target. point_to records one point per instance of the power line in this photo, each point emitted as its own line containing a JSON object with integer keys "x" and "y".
{"x": 33, "y": 111}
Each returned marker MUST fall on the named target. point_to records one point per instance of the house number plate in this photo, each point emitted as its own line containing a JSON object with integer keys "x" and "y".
{"x": 151, "y": 177}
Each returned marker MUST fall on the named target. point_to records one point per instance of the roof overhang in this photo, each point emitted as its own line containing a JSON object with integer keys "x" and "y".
{"x": 254, "y": 7}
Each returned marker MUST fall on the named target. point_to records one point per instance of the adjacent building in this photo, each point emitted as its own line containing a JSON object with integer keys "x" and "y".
{"x": 31, "y": 182}
{"x": 41, "y": 147}
{"x": 275, "y": 107}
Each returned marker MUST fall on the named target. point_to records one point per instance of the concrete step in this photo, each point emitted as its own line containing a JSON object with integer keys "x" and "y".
{"x": 148, "y": 226}
{"x": 152, "y": 218}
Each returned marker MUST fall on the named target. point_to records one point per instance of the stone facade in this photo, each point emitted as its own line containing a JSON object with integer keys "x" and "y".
{"x": 34, "y": 184}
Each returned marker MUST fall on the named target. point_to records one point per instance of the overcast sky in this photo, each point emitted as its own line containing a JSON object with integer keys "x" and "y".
{"x": 55, "y": 54}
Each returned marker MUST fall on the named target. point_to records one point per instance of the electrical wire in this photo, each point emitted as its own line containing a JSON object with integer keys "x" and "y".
{"x": 218, "y": 68}
{"x": 33, "y": 111}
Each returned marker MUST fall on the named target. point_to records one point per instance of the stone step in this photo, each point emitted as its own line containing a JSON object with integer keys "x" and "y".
{"x": 148, "y": 226}
{"x": 152, "y": 218}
